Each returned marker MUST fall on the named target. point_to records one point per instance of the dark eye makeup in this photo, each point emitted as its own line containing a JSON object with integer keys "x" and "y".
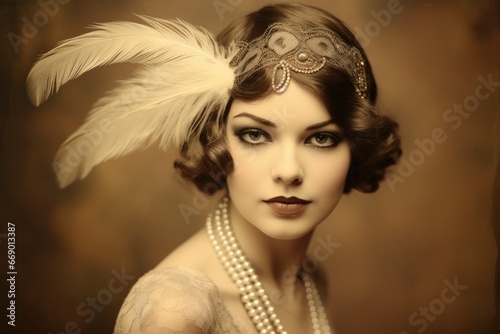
{"x": 255, "y": 137}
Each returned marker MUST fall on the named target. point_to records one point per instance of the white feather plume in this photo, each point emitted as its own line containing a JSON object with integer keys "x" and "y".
{"x": 186, "y": 74}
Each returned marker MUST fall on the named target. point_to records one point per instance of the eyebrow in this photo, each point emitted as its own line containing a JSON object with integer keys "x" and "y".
{"x": 272, "y": 125}
{"x": 257, "y": 119}
{"x": 320, "y": 125}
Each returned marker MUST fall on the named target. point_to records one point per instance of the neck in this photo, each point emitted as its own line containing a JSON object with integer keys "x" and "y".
{"x": 277, "y": 262}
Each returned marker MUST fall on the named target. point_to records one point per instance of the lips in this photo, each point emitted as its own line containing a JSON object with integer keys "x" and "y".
{"x": 287, "y": 206}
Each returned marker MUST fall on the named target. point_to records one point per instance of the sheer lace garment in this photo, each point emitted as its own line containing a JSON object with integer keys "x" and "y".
{"x": 174, "y": 300}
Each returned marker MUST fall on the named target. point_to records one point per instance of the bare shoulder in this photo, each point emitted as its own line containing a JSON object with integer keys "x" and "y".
{"x": 195, "y": 253}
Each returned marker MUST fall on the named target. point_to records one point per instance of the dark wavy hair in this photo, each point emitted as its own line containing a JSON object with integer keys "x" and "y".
{"x": 373, "y": 139}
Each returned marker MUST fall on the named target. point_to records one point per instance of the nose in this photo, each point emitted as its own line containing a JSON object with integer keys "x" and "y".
{"x": 288, "y": 168}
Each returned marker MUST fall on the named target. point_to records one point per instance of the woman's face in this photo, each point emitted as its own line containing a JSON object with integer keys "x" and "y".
{"x": 290, "y": 162}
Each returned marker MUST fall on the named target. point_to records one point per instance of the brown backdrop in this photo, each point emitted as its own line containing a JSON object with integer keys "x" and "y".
{"x": 417, "y": 256}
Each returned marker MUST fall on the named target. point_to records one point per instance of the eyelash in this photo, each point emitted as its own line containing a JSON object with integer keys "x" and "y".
{"x": 335, "y": 138}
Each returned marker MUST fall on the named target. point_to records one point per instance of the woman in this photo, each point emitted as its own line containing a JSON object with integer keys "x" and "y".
{"x": 284, "y": 130}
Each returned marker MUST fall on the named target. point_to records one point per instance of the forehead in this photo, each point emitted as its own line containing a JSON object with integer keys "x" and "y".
{"x": 297, "y": 102}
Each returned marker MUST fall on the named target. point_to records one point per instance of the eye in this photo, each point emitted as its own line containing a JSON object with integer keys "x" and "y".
{"x": 323, "y": 140}
{"x": 253, "y": 136}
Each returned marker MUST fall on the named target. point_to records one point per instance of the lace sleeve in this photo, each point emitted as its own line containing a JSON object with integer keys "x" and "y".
{"x": 171, "y": 301}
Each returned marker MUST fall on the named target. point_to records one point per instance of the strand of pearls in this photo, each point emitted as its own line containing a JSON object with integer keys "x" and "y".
{"x": 253, "y": 295}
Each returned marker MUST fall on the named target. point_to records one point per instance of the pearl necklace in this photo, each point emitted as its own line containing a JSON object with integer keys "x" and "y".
{"x": 253, "y": 295}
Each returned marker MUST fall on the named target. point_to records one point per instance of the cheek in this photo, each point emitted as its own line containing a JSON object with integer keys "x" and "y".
{"x": 329, "y": 175}
{"x": 248, "y": 167}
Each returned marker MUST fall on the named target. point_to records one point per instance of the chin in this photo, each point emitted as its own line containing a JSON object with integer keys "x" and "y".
{"x": 287, "y": 229}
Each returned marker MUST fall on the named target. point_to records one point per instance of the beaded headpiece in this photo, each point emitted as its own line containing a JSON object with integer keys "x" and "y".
{"x": 302, "y": 49}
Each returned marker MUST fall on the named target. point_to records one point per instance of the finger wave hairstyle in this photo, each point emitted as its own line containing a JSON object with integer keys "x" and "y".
{"x": 373, "y": 139}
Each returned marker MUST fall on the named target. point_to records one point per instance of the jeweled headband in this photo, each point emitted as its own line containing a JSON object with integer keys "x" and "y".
{"x": 185, "y": 77}
{"x": 302, "y": 49}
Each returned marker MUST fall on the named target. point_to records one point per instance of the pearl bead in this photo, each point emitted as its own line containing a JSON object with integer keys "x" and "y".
{"x": 302, "y": 56}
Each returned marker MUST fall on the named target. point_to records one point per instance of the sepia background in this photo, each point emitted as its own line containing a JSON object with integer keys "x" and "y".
{"x": 398, "y": 252}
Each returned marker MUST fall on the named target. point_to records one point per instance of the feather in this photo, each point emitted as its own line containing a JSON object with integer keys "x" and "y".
{"x": 186, "y": 76}
{"x": 119, "y": 42}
